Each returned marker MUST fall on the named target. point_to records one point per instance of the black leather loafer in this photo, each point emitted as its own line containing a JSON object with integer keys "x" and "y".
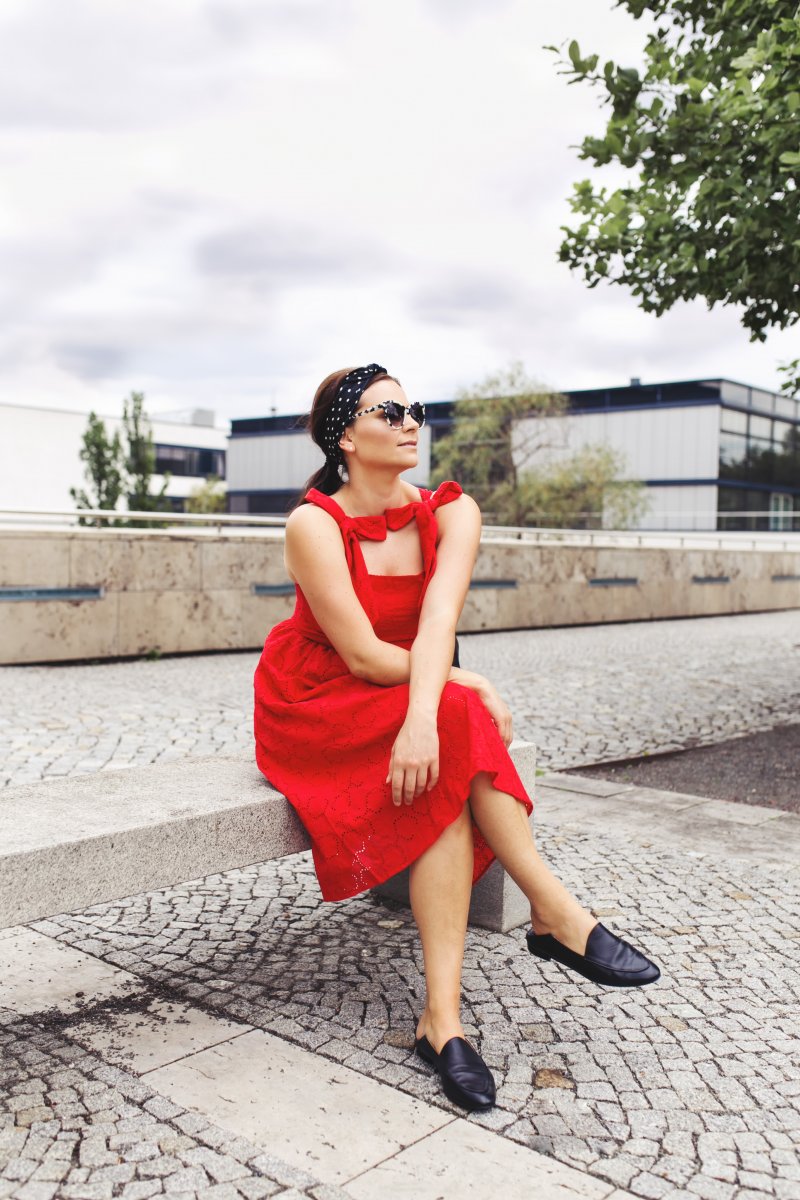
{"x": 466, "y": 1079}
{"x": 607, "y": 960}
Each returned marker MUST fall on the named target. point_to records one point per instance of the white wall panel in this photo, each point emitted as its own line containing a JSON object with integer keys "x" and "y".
{"x": 693, "y": 506}
{"x": 658, "y": 443}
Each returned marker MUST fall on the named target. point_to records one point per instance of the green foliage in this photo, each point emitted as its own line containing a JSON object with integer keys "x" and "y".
{"x": 140, "y": 460}
{"x": 584, "y": 491}
{"x": 208, "y": 497}
{"x": 477, "y": 451}
{"x": 490, "y": 444}
{"x": 112, "y": 470}
{"x": 102, "y": 459}
{"x": 711, "y": 132}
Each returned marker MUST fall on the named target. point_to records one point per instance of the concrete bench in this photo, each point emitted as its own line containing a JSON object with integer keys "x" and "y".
{"x": 66, "y": 844}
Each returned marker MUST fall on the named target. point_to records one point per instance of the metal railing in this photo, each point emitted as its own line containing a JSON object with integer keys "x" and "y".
{"x": 125, "y": 522}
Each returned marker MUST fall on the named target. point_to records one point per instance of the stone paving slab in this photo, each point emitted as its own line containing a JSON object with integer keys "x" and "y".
{"x": 38, "y": 973}
{"x": 470, "y": 1163}
{"x": 691, "y": 824}
{"x": 328, "y": 1119}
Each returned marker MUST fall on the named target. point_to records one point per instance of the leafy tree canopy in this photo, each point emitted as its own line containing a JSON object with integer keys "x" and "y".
{"x": 712, "y": 129}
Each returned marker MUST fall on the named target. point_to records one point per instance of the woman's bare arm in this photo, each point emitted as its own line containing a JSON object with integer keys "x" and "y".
{"x": 432, "y": 651}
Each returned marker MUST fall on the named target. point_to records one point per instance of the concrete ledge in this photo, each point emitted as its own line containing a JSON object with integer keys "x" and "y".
{"x": 70, "y": 843}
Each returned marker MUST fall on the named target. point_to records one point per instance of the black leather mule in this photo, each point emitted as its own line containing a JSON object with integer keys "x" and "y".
{"x": 466, "y": 1079}
{"x": 608, "y": 959}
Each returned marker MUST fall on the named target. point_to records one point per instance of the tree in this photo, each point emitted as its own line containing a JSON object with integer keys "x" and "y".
{"x": 478, "y": 449}
{"x": 713, "y": 130}
{"x": 140, "y": 460}
{"x": 102, "y": 459}
{"x": 492, "y": 450}
{"x": 587, "y": 490}
{"x": 208, "y": 497}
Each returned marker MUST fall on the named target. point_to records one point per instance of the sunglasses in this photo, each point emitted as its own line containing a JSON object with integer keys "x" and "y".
{"x": 395, "y": 413}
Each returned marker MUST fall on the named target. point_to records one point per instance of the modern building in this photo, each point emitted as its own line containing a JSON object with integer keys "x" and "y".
{"x": 712, "y": 453}
{"x": 40, "y": 455}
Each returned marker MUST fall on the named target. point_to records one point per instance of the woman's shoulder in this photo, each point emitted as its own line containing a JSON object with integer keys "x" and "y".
{"x": 310, "y": 516}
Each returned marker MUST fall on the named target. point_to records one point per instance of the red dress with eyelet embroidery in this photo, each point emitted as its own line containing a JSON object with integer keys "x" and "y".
{"x": 324, "y": 737}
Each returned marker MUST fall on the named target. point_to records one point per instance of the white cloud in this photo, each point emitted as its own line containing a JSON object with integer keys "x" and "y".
{"x": 221, "y": 202}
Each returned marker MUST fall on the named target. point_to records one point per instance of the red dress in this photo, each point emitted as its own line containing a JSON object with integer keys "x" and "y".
{"x": 324, "y": 737}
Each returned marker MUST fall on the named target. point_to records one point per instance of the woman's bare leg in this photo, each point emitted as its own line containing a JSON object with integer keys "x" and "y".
{"x": 503, "y": 821}
{"x": 440, "y": 883}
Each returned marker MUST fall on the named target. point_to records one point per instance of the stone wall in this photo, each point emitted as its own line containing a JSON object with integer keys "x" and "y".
{"x": 130, "y": 593}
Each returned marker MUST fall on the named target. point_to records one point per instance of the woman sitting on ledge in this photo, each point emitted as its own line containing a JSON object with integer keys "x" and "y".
{"x": 392, "y": 756}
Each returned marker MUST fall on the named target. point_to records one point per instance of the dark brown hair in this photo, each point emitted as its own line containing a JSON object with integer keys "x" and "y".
{"x": 328, "y": 478}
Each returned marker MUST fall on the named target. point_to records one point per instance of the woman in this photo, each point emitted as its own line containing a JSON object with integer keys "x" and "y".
{"x": 391, "y": 755}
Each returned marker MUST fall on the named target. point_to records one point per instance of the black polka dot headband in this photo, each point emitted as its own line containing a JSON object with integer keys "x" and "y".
{"x": 343, "y": 409}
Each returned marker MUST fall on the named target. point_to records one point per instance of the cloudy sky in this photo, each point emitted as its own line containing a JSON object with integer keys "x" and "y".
{"x": 220, "y": 201}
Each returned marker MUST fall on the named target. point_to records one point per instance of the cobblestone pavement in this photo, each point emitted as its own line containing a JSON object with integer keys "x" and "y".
{"x": 583, "y": 695}
{"x": 689, "y": 1087}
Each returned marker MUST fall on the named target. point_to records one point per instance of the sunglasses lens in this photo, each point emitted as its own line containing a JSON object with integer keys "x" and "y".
{"x": 395, "y": 414}
{"x": 417, "y": 412}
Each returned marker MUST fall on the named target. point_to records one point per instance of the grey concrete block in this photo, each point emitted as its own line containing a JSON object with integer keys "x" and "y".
{"x": 70, "y": 843}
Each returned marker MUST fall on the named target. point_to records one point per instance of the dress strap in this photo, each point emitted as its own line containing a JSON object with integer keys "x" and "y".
{"x": 328, "y": 503}
{"x": 445, "y": 492}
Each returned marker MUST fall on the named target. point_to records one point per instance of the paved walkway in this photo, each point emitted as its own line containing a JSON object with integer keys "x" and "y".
{"x": 583, "y": 695}
{"x": 237, "y": 1038}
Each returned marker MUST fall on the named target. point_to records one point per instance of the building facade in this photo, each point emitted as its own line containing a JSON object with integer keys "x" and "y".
{"x": 40, "y": 455}
{"x": 712, "y": 453}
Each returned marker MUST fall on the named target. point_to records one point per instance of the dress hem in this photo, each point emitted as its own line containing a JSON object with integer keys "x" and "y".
{"x": 494, "y": 772}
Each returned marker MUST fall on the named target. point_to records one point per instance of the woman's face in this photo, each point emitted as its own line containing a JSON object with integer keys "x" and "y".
{"x": 372, "y": 440}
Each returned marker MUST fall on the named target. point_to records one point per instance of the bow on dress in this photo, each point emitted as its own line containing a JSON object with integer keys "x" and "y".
{"x": 374, "y": 528}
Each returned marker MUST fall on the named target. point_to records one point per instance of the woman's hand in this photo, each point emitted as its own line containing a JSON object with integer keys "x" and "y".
{"x": 414, "y": 763}
{"x": 498, "y": 709}
{"x": 499, "y": 712}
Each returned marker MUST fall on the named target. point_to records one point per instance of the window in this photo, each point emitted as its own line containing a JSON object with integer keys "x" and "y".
{"x": 763, "y": 400}
{"x": 760, "y": 427}
{"x": 732, "y": 421}
{"x": 190, "y": 460}
{"x": 781, "y": 511}
{"x": 740, "y": 508}
{"x": 732, "y": 453}
{"x": 788, "y": 406}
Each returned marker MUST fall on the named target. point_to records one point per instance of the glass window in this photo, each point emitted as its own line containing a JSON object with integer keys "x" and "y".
{"x": 733, "y": 421}
{"x": 763, "y": 400}
{"x": 739, "y": 508}
{"x": 787, "y": 406}
{"x": 760, "y": 427}
{"x": 190, "y": 460}
{"x": 732, "y": 449}
{"x": 781, "y": 511}
{"x": 737, "y": 393}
